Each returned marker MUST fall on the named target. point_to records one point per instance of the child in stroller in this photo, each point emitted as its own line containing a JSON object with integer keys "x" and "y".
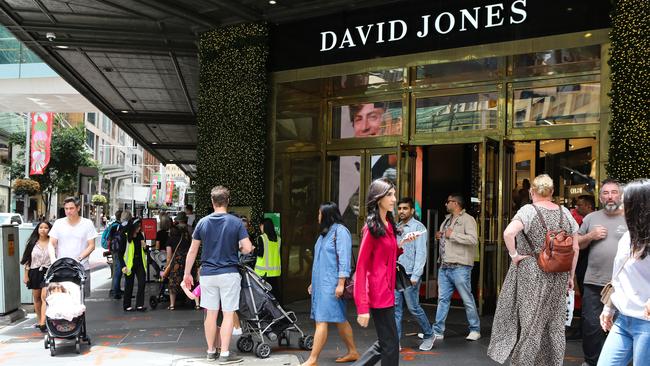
{"x": 60, "y": 304}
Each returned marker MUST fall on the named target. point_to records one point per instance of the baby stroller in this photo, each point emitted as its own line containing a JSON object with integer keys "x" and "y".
{"x": 160, "y": 257}
{"x": 262, "y": 317}
{"x": 72, "y": 275}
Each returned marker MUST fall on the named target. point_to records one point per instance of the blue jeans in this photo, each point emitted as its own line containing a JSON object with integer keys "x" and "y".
{"x": 118, "y": 263}
{"x": 459, "y": 278}
{"x": 629, "y": 339}
{"x": 412, "y": 298}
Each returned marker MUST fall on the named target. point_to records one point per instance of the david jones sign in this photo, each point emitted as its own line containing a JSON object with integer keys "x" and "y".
{"x": 429, "y": 25}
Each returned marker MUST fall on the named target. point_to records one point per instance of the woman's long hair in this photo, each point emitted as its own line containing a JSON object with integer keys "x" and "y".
{"x": 31, "y": 242}
{"x": 269, "y": 229}
{"x": 378, "y": 189}
{"x": 636, "y": 201}
{"x": 330, "y": 215}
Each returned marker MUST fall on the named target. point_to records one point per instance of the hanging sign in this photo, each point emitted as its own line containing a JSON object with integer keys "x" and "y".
{"x": 153, "y": 198}
{"x": 41, "y": 139}
{"x": 169, "y": 192}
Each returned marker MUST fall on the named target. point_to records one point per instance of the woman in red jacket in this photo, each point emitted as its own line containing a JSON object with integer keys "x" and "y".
{"x": 374, "y": 290}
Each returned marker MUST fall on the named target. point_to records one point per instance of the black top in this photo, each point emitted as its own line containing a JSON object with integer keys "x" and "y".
{"x": 178, "y": 240}
{"x": 162, "y": 236}
{"x": 259, "y": 247}
{"x": 137, "y": 246}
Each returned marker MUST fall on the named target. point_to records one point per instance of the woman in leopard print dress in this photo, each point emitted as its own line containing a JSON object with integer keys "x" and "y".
{"x": 529, "y": 321}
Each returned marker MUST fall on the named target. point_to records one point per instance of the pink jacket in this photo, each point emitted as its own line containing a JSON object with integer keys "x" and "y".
{"x": 374, "y": 285}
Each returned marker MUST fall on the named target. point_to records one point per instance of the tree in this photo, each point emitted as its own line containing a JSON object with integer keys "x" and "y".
{"x": 67, "y": 153}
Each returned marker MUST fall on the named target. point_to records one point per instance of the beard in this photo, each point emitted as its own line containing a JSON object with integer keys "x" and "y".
{"x": 612, "y": 207}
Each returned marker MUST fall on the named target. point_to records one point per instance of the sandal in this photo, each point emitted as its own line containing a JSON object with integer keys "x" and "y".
{"x": 171, "y": 307}
{"x": 129, "y": 309}
{"x": 197, "y": 307}
{"x": 141, "y": 308}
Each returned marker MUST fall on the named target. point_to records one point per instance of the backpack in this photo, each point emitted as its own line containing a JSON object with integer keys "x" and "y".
{"x": 117, "y": 240}
{"x": 107, "y": 233}
{"x": 557, "y": 253}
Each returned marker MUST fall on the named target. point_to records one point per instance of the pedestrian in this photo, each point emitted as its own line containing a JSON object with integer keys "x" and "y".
{"x": 585, "y": 205}
{"x": 177, "y": 247}
{"x": 107, "y": 236}
{"x": 163, "y": 234}
{"x": 413, "y": 260}
{"x": 529, "y": 320}
{"x": 73, "y": 236}
{"x": 36, "y": 261}
{"x": 117, "y": 245}
{"x": 332, "y": 259}
{"x": 600, "y": 232}
{"x": 135, "y": 265}
{"x": 629, "y": 336}
{"x": 458, "y": 239}
{"x": 268, "y": 263}
{"x": 221, "y": 236}
{"x": 374, "y": 289}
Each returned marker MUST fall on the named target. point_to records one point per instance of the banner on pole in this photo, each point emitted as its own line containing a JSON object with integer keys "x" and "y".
{"x": 153, "y": 198}
{"x": 41, "y": 138}
{"x": 169, "y": 192}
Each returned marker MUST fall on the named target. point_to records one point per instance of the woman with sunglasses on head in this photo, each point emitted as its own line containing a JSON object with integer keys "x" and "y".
{"x": 374, "y": 289}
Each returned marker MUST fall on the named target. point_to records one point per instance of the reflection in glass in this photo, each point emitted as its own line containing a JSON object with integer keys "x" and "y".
{"x": 384, "y": 166}
{"x": 298, "y": 111}
{"x": 559, "y": 61}
{"x": 382, "y": 118}
{"x": 373, "y": 80}
{"x": 456, "y": 113}
{"x": 462, "y": 71}
{"x": 557, "y": 105}
{"x": 345, "y": 173}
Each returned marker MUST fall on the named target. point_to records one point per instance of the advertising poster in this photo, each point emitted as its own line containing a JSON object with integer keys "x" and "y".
{"x": 41, "y": 138}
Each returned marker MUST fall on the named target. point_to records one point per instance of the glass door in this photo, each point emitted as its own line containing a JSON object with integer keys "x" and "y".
{"x": 350, "y": 172}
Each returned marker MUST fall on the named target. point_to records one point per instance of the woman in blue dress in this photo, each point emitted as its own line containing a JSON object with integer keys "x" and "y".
{"x": 331, "y": 267}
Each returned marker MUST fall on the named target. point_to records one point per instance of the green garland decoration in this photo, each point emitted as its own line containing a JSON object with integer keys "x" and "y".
{"x": 232, "y": 115}
{"x": 629, "y": 132}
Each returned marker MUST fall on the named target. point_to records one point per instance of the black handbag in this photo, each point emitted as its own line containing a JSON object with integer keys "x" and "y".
{"x": 402, "y": 280}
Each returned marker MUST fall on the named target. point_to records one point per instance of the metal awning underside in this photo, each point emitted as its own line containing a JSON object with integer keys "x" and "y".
{"x": 136, "y": 60}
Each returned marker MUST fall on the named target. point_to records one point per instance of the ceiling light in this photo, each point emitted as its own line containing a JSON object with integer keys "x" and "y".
{"x": 124, "y": 111}
{"x": 154, "y": 143}
{"x": 171, "y": 161}
{"x": 272, "y": 2}
{"x": 587, "y": 35}
{"x": 62, "y": 47}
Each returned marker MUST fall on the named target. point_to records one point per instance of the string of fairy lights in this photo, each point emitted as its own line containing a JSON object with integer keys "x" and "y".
{"x": 629, "y": 133}
{"x": 232, "y": 115}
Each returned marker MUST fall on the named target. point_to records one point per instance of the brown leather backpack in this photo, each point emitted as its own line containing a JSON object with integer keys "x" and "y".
{"x": 557, "y": 253}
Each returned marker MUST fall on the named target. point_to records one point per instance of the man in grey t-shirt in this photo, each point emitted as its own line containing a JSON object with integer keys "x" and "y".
{"x": 600, "y": 232}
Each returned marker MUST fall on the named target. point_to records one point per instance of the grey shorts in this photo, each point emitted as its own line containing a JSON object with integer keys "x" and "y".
{"x": 221, "y": 290}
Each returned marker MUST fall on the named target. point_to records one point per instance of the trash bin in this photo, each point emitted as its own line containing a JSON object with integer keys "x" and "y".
{"x": 9, "y": 269}
{"x": 24, "y": 231}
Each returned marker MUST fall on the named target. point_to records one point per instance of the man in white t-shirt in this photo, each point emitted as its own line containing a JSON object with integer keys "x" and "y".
{"x": 74, "y": 237}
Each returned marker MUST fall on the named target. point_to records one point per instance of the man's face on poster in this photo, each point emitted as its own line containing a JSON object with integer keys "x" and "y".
{"x": 368, "y": 120}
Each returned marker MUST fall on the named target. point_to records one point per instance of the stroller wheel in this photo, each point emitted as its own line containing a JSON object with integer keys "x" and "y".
{"x": 77, "y": 345}
{"x": 263, "y": 350}
{"x": 52, "y": 348}
{"x": 153, "y": 302}
{"x": 245, "y": 344}
{"x": 306, "y": 342}
{"x": 46, "y": 341}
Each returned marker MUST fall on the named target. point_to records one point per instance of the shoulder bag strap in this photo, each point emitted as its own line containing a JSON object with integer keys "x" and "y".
{"x": 541, "y": 217}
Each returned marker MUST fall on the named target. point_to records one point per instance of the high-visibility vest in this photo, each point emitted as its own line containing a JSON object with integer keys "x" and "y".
{"x": 269, "y": 264}
{"x": 128, "y": 257}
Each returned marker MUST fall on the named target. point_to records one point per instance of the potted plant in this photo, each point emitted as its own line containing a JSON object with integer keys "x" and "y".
{"x": 27, "y": 187}
{"x": 98, "y": 199}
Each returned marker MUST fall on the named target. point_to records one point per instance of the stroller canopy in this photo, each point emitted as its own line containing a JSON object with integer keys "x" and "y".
{"x": 66, "y": 269}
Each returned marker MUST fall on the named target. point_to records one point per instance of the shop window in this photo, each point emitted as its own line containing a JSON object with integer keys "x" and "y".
{"x": 298, "y": 111}
{"x": 557, "y": 105}
{"x": 367, "y": 81}
{"x": 552, "y": 62}
{"x": 367, "y": 119}
{"x": 456, "y": 113}
{"x": 461, "y": 71}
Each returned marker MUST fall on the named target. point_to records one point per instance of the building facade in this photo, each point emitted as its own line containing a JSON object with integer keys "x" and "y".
{"x": 440, "y": 98}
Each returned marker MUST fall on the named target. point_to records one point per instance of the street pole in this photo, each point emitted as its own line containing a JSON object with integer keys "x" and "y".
{"x": 27, "y": 156}
{"x": 132, "y": 182}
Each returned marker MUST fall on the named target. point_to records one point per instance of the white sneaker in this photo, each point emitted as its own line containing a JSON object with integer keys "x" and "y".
{"x": 438, "y": 337}
{"x": 473, "y": 336}
{"x": 236, "y": 331}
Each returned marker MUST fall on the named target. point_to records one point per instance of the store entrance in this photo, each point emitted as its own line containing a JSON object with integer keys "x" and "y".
{"x": 470, "y": 170}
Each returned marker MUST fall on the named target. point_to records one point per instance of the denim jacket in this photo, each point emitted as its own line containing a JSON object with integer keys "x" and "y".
{"x": 415, "y": 253}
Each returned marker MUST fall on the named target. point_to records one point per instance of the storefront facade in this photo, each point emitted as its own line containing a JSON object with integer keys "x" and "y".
{"x": 440, "y": 98}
